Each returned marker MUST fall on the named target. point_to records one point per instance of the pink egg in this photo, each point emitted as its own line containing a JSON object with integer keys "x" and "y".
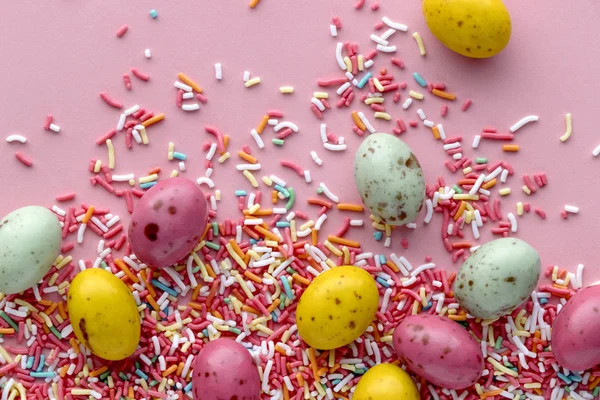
{"x": 575, "y": 339}
{"x": 224, "y": 370}
{"x": 439, "y": 350}
{"x": 168, "y": 222}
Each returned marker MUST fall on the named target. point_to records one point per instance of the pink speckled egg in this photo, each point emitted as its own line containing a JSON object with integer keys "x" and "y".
{"x": 438, "y": 350}
{"x": 575, "y": 339}
{"x": 168, "y": 222}
{"x": 225, "y": 370}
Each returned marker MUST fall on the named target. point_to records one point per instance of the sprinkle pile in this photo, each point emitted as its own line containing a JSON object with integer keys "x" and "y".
{"x": 244, "y": 278}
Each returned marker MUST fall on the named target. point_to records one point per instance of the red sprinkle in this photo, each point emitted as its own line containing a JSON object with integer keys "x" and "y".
{"x": 66, "y": 197}
{"x": 541, "y": 213}
{"x": 337, "y": 22}
{"x": 139, "y": 74}
{"x": 444, "y": 110}
{"x": 109, "y": 100}
{"x": 48, "y": 121}
{"x": 122, "y": 30}
{"x": 375, "y": 5}
{"x": 466, "y": 105}
{"x": 127, "y": 81}
{"x": 359, "y": 4}
{"x": 295, "y": 167}
{"x": 21, "y": 157}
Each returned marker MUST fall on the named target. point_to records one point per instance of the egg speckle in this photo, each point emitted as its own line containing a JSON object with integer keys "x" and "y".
{"x": 497, "y": 278}
{"x": 30, "y": 240}
{"x": 389, "y": 179}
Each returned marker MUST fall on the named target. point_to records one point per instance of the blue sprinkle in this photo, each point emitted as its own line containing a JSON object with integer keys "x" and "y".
{"x": 141, "y": 374}
{"x": 427, "y": 307}
{"x": 364, "y": 80}
{"x": 205, "y": 332}
{"x": 288, "y": 290}
{"x": 383, "y": 282}
{"x": 164, "y": 288}
{"x": 274, "y": 316}
{"x": 30, "y": 362}
{"x": 46, "y": 374}
{"x": 41, "y": 363}
{"x": 282, "y": 224}
{"x": 147, "y": 185}
{"x": 419, "y": 79}
{"x": 179, "y": 156}
{"x": 253, "y": 241}
{"x": 575, "y": 377}
{"x": 188, "y": 387}
{"x": 564, "y": 378}
{"x": 240, "y": 193}
{"x": 543, "y": 300}
{"x": 283, "y": 190}
{"x": 335, "y": 382}
{"x": 378, "y": 235}
{"x": 382, "y": 259}
{"x": 153, "y": 13}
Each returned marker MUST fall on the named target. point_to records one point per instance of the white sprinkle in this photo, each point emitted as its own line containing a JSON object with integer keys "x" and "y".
{"x": 121, "y": 122}
{"x": 80, "y": 232}
{"x": 513, "y": 222}
{"x": 59, "y": 211}
{"x": 206, "y": 181}
{"x": 55, "y": 128}
{"x": 320, "y": 222}
{"x": 132, "y": 110}
{"x": 343, "y": 88}
{"x": 190, "y": 107}
{"x": 379, "y": 40}
{"x": 265, "y": 380}
{"x": 211, "y": 151}
{"x": 182, "y": 166}
{"x": 329, "y": 194}
{"x": 249, "y": 167}
{"x": 387, "y": 34}
{"x": 571, "y": 209}
{"x": 343, "y": 383}
{"x": 257, "y": 139}
{"x": 376, "y": 349}
{"x": 316, "y": 158}
{"x": 428, "y": 123}
{"x": 333, "y": 30}
{"x": 580, "y": 275}
{"x": 457, "y": 156}
{"x": 218, "y": 71}
{"x": 338, "y": 56}
{"x": 356, "y": 222}
{"x": 147, "y": 53}
{"x": 335, "y": 147}
{"x": 186, "y": 96}
{"x": 318, "y": 103}
{"x": 367, "y": 123}
{"x": 272, "y": 121}
{"x": 407, "y": 103}
{"x": 451, "y": 146}
{"x": 246, "y": 76}
{"x": 278, "y": 180}
{"x": 286, "y": 124}
{"x": 429, "y": 215}
{"x": 477, "y": 184}
{"x": 386, "y": 49}
{"x": 504, "y": 176}
{"x": 476, "y": 141}
{"x": 213, "y": 203}
{"x": 423, "y": 117}
{"x": 494, "y": 174}
{"x": 475, "y": 229}
{"x": 16, "y": 138}
{"x": 394, "y": 25}
{"x": 307, "y": 176}
{"x": 182, "y": 86}
{"x": 388, "y": 242}
{"x": 369, "y": 63}
{"x": 523, "y": 121}
{"x": 422, "y": 268}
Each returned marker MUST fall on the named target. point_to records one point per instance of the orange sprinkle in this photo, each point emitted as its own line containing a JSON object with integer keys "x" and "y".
{"x": 273, "y": 306}
{"x": 339, "y": 396}
{"x": 208, "y": 226}
{"x": 250, "y": 233}
{"x": 195, "y": 306}
{"x": 169, "y": 370}
{"x": 74, "y": 345}
{"x": 62, "y": 311}
{"x": 152, "y": 302}
{"x": 451, "y": 280}
{"x": 560, "y": 286}
{"x": 595, "y": 383}
{"x": 280, "y": 351}
{"x": 335, "y": 367}
{"x": 46, "y": 330}
{"x": 210, "y": 271}
{"x": 6, "y": 331}
{"x": 212, "y": 292}
{"x": 119, "y": 263}
{"x": 51, "y": 309}
{"x": 286, "y": 394}
{"x": 274, "y": 198}
{"x": 436, "y": 133}
{"x": 461, "y": 245}
{"x": 218, "y": 314}
{"x": 301, "y": 279}
{"x": 263, "y": 123}
{"x": 320, "y": 202}
{"x": 443, "y": 95}
{"x": 99, "y": 371}
{"x": 254, "y": 3}
{"x": 148, "y": 284}
{"x": 458, "y": 317}
{"x": 489, "y": 184}
{"x": 322, "y": 371}
{"x": 236, "y": 248}
{"x": 131, "y": 393}
{"x": 155, "y": 170}
{"x": 153, "y": 120}
{"x": 375, "y": 332}
{"x": 253, "y": 277}
{"x": 350, "y": 207}
{"x": 315, "y": 265}
{"x": 88, "y": 215}
{"x": 460, "y": 211}
{"x": 491, "y": 393}
{"x": 358, "y": 121}
{"x": 299, "y": 379}
{"x": 464, "y": 182}
{"x": 251, "y": 310}
{"x": 180, "y": 368}
{"x": 247, "y": 157}
{"x": 510, "y": 147}
{"x": 225, "y": 142}
{"x": 314, "y": 237}
{"x": 267, "y": 234}
{"x": 63, "y": 371}
{"x": 342, "y": 241}
{"x": 313, "y": 363}
{"x": 196, "y": 292}
{"x": 186, "y": 79}
{"x": 260, "y": 213}
{"x": 45, "y": 302}
{"x": 392, "y": 266}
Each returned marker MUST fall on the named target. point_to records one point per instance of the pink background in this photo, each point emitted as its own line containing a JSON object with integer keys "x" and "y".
{"x": 57, "y": 56}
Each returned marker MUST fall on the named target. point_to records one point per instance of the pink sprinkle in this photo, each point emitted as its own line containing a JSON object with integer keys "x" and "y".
{"x": 275, "y": 113}
{"x": 359, "y": 4}
{"x": 466, "y": 105}
{"x": 127, "y": 81}
{"x": 397, "y": 131}
{"x": 128, "y": 138}
{"x": 497, "y": 136}
{"x": 541, "y": 213}
{"x": 66, "y": 197}
{"x": 377, "y": 107}
{"x": 489, "y": 129}
{"x": 404, "y": 243}
{"x": 318, "y": 112}
{"x": 396, "y": 97}
{"x": 403, "y": 85}
{"x": 379, "y": 25}
{"x": 563, "y": 214}
{"x": 67, "y": 247}
{"x": 21, "y": 157}
{"x": 201, "y": 98}
{"x": 526, "y": 207}
{"x": 375, "y": 5}
{"x": 450, "y": 166}
{"x": 179, "y": 98}
{"x": 357, "y": 130}
{"x": 444, "y": 110}
{"x": 391, "y": 87}
{"x": 349, "y": 99}
{"x": 453, "y": 139}
{"x": 139, "y": 113}
{"x": 529, "y": 184}
{"x": 401, "y": 125}
{"x": 337, "y": 22}
{"x": 544, "y": 178}
{"x": 129, "y": 201}
{"x": 370, "y": 55}
{"x": 414, "y": 124}
{"x": 139, "y": 74}
{"x": 48, "y": 121}
{"x": 107, "y": 136}
{"x": 218, "y": 136}
{"x": 295, "y": 167}
{"x": 122, "y": 30}
{"x": 331, "y": 82}
{"x": 146, "y": 116}
{"x": 110, "y": 101}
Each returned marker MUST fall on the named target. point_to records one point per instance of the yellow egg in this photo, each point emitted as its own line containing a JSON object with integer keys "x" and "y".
{"x": 337, "y": 307}
{"x": 103, "y": 314}
{"x": 473, "y": 28}
{"x": 386, "y": 382}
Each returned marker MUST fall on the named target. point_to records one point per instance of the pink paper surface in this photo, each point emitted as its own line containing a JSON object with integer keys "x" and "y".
{"x": 58, "y": 56}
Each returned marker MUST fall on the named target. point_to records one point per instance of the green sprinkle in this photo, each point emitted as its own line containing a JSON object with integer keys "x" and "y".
{"x": 154, "y": 358}
{"x": 567, "y": 389}
{"x": 123, "y": 376}
{"x": 104, "y": 265}
{"x": 291, "y": 200}
{"x": 320, "y": 190}
{"x": 278, "y": 142}
{"x": 9, "y": 321}
{"x": 226, "y": 300}
{"x": 281, "y": 301}
{"x": 596, "y": 391}
{"x": 56, "y": 332}
{"x": 104, "y": 375}
{"x": 498, "y": 342}
{"x": 196, "y": 269}
{"x": 291, "y": 270}
{"x": 213, "y": 246}
{"x": 153, "y": 383}
{"x": 235, "y": 330}
{"x": 481, "y": 160}
{"x": 457, "y": 189}
{"x": 215, "y": 227}
{"x": 137, "y": 365}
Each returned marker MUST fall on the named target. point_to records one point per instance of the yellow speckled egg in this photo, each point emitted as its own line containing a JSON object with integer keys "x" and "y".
{"x": 473, "y": 28}
{"x": 337, "y": 307}
{"x": 103, "y": 314}
{"x": 386, "y": 382}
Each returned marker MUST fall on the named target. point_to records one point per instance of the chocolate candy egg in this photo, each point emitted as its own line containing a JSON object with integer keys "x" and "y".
{"x": 168, "y": 222}
{"x": 389, "y": 179}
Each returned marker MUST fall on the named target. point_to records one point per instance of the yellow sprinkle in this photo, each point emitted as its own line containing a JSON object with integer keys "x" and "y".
{"x": 171, "y": 150}
{"x": 267, "y": 181}
{"x": 346, "y": 255}
{"x": 468, "y": 217}
{"x": 198, "y": 261}
{"x": 488, "y": 321}
{"x": 478, "y": 389}
{"x": 271, "y": 243}
{"x": 97, "y": 166}
{"x": 466, "y": 196}
{"x": 491, "y": 338}
{"x": 320, "y": 388}
{"x": 250, "y": 178}
{"x": 554, "y": 273}
{"x": 131, "y": 182}
{"x": 467, "y": 170}
{"x": 502, "y": 368}
{"x": 224, "y": 157}
{"x": 388, "y": 230}
{"x": 372, "y": 100}
{"x": 5, "y": 355}
{"x": 534, "y": 385}
{"x": 254, "y": 209}
{"x": 349, "y": 367}
{"x": 26, "y": 304}
{"x": 252, "y": 82}
{"x": 423, "y": 296}
{"x": 293, "y": 231}
{"x": 522, "y": 333}
{"x": 519, "y": 208}
{"x": 307, "y": 225}
{"x": 64, "y": 262}
{"x": 415, "y": 307}
{"x": 348, "y": 63}
{"x": 321, "y": 95}
{"x": 378, "y": 226}
{"x": 286, "y": 89}
{"x": 383, "y": 115}
{"x": 81, "y": 392}
{"x": 361, "y": 62}
{"x": 52, "y": 280}
{"x": 444, "y": 311}
{"x": 378, "y": 84}
{"x": 526, "y": 190}
{"x": 419, "y": 41}
{"x": 567, "y": 279}
{"x": 567, "y": 134}
{"x": 144, "y": 136}
{"x": 331, "y": 361}
{"x": 235, "y": 256}
{"x": 333, "y": 249}
{"x": 148, "y": 178}
{"x": 21, "y": 390}
{"x": 243, "y": 285}
{"x": 330, "y": 263}
{"x": 504, "y": 192}
{"x": 518, "y": 319}
{"x": 416, "y": 95}
{"x": 264, "y": 329}
{"x": 111, "y": 154}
